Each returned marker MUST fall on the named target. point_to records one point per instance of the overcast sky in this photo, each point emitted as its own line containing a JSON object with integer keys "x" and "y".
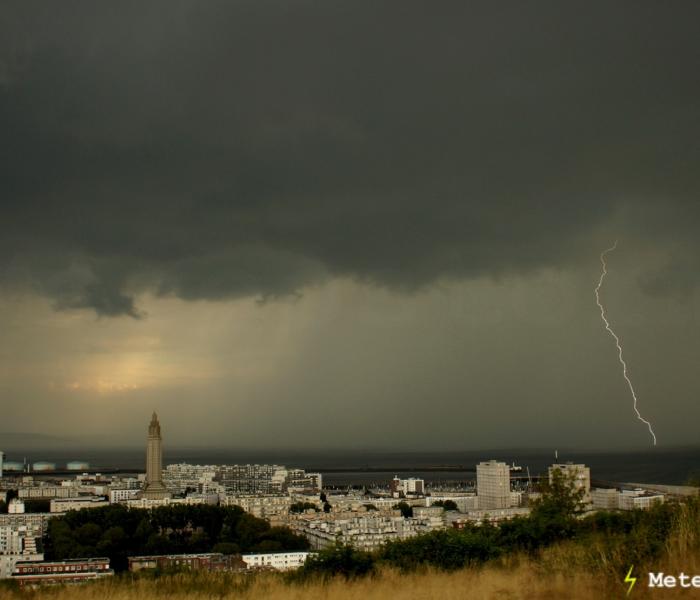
{"x": 349, "y": 224}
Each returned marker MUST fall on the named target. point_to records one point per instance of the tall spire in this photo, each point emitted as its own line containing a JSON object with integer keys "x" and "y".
{"x": 154, "y": 427}
{"x": 154, "y": 488}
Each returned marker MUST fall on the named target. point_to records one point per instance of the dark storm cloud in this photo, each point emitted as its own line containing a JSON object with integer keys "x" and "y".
{"x": 221, "y": 149}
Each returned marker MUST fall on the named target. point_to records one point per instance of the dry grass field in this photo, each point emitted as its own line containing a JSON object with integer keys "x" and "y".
{"x": 519, "y": 580}
{"x": 568, "y": 570}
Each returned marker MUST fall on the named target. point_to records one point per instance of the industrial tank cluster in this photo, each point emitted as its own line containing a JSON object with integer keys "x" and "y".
{"x": 45, "y": 466}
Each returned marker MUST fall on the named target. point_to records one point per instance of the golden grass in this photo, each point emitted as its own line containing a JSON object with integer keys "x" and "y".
{"x": 516, "y": 579}
{"x": 572, "y": 571}
{"x": 519, "y": 584}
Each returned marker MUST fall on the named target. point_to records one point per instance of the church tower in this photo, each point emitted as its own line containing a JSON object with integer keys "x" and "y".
{"x": 154, "y": 488}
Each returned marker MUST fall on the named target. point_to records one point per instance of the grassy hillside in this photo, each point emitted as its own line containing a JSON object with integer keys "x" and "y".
{"x": 521, "y": 579}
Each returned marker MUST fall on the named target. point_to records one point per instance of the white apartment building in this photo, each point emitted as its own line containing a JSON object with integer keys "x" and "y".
{"x": 464, "y": 501}
{"x": 149, "y": 503}
{"x": 605, "y": 498}
{"x": 19, "y": 539}
{"x": 238, "y": 479}
{"x": 179, "y": 477}
{"x": 477, "y": 517}
{"x": 639, "y": 499}
{"x": 45, "y": 492}
{"x": 15, "y": 507}
{"x": 493, "y": 485}
{"x": 11, "y": 539}
{"x": 121, "y": 495}
{"x": 612, "y": 499}
{"x": 37, "y": 520}
{"x": 263, "y": 507}
{"x": 437, "y": 512}
{"x": 406, "y": 487}
{"x": 365, "y": 531}
{"x": 61, "y": 505}
{"x": 279, "y": 561}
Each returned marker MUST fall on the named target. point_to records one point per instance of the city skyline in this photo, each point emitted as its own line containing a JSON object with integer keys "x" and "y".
{"x": 282, "y": 232}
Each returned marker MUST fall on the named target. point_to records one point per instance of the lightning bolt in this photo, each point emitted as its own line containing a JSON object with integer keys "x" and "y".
{"x": 630, "y": 580}
{"x": 617, "y": 340}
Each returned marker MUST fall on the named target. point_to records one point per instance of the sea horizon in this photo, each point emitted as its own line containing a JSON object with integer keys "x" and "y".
{"x": 672, "y": 466}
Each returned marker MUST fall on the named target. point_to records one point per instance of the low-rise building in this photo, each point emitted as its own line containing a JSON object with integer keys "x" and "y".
{"x": 117, "y": 495}
{"x": 37, "y": 520}
{"x": 65, "y": 571}
{"x": 493, "y": 515}
{"x": 639, "y": 499}
{"x": 278, "y": 561}
{"x": 62, "y": 505}
{"x": 46, "y": 492}
{"x": 605, "y": 498}
{"x": 437, "y": 512}
{"x": 212, "y": 561}
{"x": 612, "y": 499}
{"x": 149, "y": 503}
{"x": 9, "y": 561}
{"x": 464, "y": 501}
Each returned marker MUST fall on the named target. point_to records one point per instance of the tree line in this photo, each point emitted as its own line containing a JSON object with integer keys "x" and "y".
{"x": 629, "y": 537}
{"x": 118, "y": 532}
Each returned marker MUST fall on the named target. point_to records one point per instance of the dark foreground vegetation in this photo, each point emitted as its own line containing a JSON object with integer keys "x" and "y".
{"x": 556, "y": 537}
{"x": 118, "y": 532}
{"x": 553, "y": 553}
{"x": 613, "y": 540}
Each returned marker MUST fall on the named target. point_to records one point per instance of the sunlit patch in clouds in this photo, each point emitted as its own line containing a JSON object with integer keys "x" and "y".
{"x": 102, "y": 386}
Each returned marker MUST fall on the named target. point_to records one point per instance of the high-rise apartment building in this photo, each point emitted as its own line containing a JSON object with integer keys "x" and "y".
{"x": 154, "y": 488}
{"x": 493, "y": 485}
{"x": 406, "y": 487}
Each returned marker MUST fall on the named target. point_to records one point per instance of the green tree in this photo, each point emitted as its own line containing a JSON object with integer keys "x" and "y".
{"x": 337, "y": 560}
{"x": 88, "y": 534}
{"x": 37, "y": 505}
{"x": 448, "y": 549}
{"x": 406, "y": 509}
{"x": 446, "y": 504}
{"x": 561, "y": 497}
{"x": 267, "y": 546}
{"x": 118, "y": 532}
{"x": 249, "y": 529}
{"x": 226, "y": 548}
{"x": 300, "y": 507}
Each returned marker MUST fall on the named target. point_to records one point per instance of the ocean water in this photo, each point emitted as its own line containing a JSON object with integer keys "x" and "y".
{"x": 667, "y": 466}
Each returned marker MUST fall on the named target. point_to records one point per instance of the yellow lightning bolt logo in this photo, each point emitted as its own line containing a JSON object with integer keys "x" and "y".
{"x": 630, "y": 580}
